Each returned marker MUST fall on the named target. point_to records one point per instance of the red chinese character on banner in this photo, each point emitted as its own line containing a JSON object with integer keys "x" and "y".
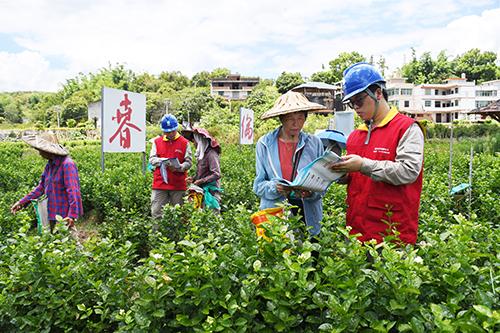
{"x": 123, "y": 119}
{"x": 246, "y": 127}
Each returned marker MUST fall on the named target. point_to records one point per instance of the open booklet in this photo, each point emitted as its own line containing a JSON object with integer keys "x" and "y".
{"x": 316, "y": 176}
{"x": 172, "y": 162}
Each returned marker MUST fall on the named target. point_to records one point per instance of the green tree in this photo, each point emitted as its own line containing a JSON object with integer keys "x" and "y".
{"x": 287, "y": 81}
{"x": 155, "y": 106}
{"x": 145, "y": 83}
{"x": 419, "y": 71}
{"x": 75, "y": 108}
{"x": 201, "y": 79}
{"x": 477, "y": 65}
{"x": 13, "y": 113}
{"x": 337, "y": 66}
{"x": 382, "y": 65}
{"x": 220, "y": 73}
{"x": 177, "y": 80}
{"x": 191, "y": 103}
{"x": 442, "y": 68}
{"x": 324, "y": 76}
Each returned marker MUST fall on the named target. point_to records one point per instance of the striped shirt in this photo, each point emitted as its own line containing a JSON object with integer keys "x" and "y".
{"x": 61, "y": 184}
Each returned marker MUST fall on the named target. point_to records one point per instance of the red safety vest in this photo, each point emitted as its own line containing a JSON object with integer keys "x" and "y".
{"x": 373, "y": 205}
{"x": 170, "y": 149}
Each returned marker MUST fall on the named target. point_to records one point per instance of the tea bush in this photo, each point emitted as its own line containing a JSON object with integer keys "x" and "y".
{"x": 196, "y": 271}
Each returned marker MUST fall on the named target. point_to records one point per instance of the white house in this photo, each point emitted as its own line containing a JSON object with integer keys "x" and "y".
{"x": 441, "y": 103}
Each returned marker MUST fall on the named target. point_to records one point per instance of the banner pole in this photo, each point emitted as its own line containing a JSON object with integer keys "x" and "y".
{"x": 102, "y": 129}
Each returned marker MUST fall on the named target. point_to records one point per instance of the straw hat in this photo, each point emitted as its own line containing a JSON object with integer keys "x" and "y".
{"x": 289, "y": 103}
{"x": 46, "y": 142}
{"x": 189, "y": 131}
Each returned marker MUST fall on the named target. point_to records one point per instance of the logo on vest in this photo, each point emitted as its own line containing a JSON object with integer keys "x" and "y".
{"x": 381, "y": 150}
{"x": 178, "y": 151}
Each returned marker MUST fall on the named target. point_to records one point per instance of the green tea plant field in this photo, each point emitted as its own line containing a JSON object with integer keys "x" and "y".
{"x": 202, "y": 272}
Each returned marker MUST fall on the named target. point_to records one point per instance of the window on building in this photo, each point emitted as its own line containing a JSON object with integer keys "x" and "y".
{"x": 395, "y": 103}
{"x": 428, "y": 91}
{"x": 456, "y": 102}
{"x": 436, "y": 92}
{"x": 480, "y": 104}
{"x": 407, "y": 104}
{"x": 437, "y": 104}
{"x": 220, "y": 84}
{"x": 221, "y": 93}
{"x": 393, "y": 91}
{"x": 428, "y": 104}
{"x": 406, "y": 91}
{"x": 486, "y": 93}
{"x": 456, "y": 90}
{"x": 456, "y": 115}
{"x": 438, "y": 117}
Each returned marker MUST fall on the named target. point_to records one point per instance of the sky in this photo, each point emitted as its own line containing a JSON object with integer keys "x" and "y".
{"x": 44, "y": 43}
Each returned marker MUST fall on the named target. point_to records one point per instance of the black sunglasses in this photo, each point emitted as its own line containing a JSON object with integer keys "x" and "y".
{"x": 357, "y": 102}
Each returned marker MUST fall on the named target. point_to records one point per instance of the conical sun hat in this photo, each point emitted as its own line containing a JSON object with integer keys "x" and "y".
{"x": 46, "y": 142}
{"x": 189, "y": 131}
{"x": 289, "y": 103}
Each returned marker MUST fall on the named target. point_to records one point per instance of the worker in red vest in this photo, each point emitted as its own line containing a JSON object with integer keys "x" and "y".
{"x": 384, "y": 161}
{"x": 171, "y": 158}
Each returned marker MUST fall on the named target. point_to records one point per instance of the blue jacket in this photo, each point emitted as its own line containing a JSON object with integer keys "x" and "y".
{"x": 268, "y": 170}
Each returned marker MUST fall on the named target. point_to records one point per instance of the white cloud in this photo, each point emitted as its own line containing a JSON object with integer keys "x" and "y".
{"x": 260, "y": 37}
{"x": 28, "y": 71}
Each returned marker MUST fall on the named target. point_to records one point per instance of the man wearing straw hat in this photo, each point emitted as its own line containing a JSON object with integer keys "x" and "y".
{"x": 284, "y": 151}
{"x": 59, "y": 181}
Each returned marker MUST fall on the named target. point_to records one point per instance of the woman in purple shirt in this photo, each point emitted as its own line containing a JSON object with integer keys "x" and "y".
{"x": 59, "y": 181}
{"x": 208, "y": 166}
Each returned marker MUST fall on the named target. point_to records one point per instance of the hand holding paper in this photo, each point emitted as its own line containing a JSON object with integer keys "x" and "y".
{"x": 317, "y": 176}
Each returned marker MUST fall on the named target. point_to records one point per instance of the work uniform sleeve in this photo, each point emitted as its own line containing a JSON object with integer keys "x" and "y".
{"x": 154, "y": 160}
{"x": 408, "y": 162}
{"x": 188, "y": 159}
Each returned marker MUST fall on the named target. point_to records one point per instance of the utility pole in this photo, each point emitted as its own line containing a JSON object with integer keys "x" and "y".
{"x": 450, "y": 185}
{"x": 58, "y": 109}
{"x": 167, "y": 105}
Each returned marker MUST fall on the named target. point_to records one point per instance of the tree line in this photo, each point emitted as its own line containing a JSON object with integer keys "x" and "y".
{"x": 190, "y": 98}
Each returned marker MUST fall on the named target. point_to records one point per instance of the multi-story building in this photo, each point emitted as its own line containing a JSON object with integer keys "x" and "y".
{"x": 322, "y": 93}
{"x": 442, "y": 103}
{"x": 233, "y": 87}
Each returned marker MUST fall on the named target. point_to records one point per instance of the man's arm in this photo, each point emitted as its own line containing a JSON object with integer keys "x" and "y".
{"x": 154, "y": 160}
{"x": 188, "y": 159}
{"x": 407, "y": 165}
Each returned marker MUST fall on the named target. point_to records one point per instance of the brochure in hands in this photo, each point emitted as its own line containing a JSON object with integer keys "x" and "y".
{"x": 316, "y": 176}
{"x": 172, "y": 162}
{"x": 168, "y": 162}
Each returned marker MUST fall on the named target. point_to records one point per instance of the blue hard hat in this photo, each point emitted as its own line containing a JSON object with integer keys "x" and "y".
{"x": 169, "y": 123}
{"x": 358, "y": 78}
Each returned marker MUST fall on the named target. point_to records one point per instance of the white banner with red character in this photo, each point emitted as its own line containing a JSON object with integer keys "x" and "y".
{"x": 123, "y": 121}
{"x": 246, "y": 126}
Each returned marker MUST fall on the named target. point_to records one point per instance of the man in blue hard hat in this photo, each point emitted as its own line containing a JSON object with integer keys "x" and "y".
{"x": 384, "y": 161}
{"x": 171, "y": 158}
